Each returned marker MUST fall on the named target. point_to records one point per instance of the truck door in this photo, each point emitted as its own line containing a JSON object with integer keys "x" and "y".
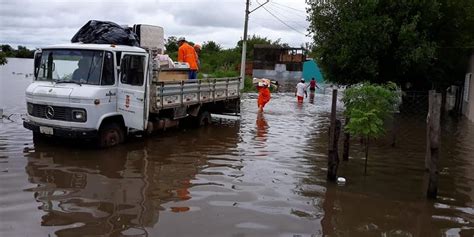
{"x": 132, "y": 90}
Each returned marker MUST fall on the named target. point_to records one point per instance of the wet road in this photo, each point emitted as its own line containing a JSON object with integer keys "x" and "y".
{"x": 257, "y": 176}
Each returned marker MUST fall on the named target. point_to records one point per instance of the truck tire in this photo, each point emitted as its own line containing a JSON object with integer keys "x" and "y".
{"x": 203, "y": 119}
{"x": 111, "y": 134}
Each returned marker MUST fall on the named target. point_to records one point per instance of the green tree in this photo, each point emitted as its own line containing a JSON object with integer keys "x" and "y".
{"x": 368, "y": 106}
{"x": 3, "y": 58}
{"x": 388, "y": 40}
{"x": 23, "y": 52}
{"x": 254, "y": 40}
{"x": 211, "y": 46}
{"x": 8, "y": 50}
{"x": 171, "y": 44}
{"x": 222, "y": 61}
{"x": 216, "y": 61}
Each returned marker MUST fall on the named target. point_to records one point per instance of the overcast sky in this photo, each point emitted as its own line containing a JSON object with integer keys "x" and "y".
{"x": 36, "y": 23}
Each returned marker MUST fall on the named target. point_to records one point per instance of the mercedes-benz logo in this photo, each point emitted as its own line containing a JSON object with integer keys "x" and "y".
{"x": 49, "y": 112}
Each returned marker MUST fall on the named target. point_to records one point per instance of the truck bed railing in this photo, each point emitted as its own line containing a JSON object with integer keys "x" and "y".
{"x": 185, "y": 93}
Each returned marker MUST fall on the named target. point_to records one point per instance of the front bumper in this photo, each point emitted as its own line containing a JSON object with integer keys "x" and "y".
{"x": 62, "y": 132}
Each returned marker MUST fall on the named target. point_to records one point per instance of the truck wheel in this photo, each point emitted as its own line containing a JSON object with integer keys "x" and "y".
{"x": 111, "y": 134}
{"x": 204, "y": 119}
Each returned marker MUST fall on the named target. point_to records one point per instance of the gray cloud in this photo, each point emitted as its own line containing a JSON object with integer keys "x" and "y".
{"x": 43, "y": 22}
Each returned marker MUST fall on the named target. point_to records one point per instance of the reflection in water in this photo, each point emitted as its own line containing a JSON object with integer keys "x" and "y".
{"x": 102, "y": 191}
{"x": 361, "y": 215}
{"x": 328, "y": 221}
{"x": 391, "y": 201}
{"x": 120, "y": 190}
{"x": 262, "y": 127}
{"x": 262, "y": 175}
{"x": 311, "y": 97}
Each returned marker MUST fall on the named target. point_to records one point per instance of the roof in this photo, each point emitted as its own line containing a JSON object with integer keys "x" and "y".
{"x": 109, "y": 47}
{"x": 271, "y": 46}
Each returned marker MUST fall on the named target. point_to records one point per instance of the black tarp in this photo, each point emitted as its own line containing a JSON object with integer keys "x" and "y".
{"x": 105, "y": 32}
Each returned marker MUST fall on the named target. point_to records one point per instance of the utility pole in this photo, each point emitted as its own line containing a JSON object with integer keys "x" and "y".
{"x": 244, "y": 41}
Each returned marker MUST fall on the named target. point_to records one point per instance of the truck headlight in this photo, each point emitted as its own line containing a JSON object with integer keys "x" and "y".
{"x": 29, "y": 108}
{"x": 79, "y": 115}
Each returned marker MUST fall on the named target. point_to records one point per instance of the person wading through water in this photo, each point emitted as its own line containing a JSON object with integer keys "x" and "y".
{"x": 301, "y": 91}
{"x": 263, "y": 93}
{"x": 312, "y": 89}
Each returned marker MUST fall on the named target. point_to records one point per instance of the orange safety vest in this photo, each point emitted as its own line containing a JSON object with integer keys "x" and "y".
{"x": 186, "y": 53}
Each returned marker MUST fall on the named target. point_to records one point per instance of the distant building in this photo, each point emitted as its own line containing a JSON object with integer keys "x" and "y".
{"x": 468, "y": 95}
{"x": 284, "y": 64}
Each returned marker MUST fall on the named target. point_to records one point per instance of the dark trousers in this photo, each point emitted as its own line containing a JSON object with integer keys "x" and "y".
{"x": 192, "y": 74}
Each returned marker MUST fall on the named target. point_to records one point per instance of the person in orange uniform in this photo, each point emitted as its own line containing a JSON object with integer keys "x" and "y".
{"x": 186, "y": 53}
{"x": 197, "y": 48}
{"x": 263, "y": 94}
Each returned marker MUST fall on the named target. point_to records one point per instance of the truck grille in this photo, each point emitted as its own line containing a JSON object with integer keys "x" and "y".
{"x": 59, "y": 112}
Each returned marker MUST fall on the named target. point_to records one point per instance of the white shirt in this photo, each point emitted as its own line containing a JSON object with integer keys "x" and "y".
{"x": 301, "y": 89}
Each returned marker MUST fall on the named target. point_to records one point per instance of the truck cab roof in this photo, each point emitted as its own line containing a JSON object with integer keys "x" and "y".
{"x": 108, "y": 47}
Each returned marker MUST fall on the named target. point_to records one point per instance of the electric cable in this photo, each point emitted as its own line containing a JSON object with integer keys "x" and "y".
{"x": 285, "y": 17}
{"x": 284, "y": 23}
{"x": 298, "y": 10}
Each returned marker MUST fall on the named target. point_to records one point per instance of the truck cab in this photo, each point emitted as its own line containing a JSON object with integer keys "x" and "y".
{"x": 88, "y": 91}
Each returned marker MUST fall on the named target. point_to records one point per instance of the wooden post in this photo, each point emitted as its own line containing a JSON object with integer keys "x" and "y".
{"x": 328, "y": 221}
{"x": 444, "y": 108}
{"x": 367, "y": 139}
{"x": 434, "y": 117}
{"x": 395, "y": 127}
{"x": 458, "y": 101}
{"x": 337, "y": 132}
{"x": 333, "y": 158}
{"x": 347, "y": 137}
{"x": 428, "y": 124}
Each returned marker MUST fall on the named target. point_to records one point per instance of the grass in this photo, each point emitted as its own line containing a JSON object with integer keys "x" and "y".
{"x": 248, "y": 85}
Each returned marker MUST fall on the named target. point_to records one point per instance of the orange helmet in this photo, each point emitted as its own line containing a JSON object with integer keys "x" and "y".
{"x": 197, "y": 46}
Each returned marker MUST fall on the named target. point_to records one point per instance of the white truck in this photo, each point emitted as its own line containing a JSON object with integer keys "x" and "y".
{"x": 105, "y": 92}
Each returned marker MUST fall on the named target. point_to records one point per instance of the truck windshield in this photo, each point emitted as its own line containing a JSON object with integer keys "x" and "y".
{"x": 71, "y": 66}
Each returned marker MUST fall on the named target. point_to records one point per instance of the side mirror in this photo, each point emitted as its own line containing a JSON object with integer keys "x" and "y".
{"x": 37, "y": 62}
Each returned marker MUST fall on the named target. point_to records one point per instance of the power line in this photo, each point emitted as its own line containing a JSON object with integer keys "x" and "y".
{"x": 298, "y": 15}
{"x": 288, "y": 7}
{"x": 284, "y": 23}
{"x": 271, "y": 19}
{"x": 286, "y": 17}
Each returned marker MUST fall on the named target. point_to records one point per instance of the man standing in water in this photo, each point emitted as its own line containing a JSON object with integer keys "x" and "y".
{"x": 312, "y": 89}
{"x": 313, "y": 85}
{"x": 301, "y": 91}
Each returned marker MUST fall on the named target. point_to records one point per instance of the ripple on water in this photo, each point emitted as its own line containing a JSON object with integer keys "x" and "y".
{"x": 264, "y": 175}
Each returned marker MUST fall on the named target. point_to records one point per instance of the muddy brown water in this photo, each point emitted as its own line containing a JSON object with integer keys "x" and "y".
{"x": 255, "y": 176}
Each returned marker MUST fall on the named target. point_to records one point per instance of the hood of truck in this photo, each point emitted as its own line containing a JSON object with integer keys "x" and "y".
{"x": 44, "y": 90}
{"x": 64, "y": 93}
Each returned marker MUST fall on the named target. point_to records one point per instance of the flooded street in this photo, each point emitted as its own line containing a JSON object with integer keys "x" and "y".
{"x": 260, "y": 175}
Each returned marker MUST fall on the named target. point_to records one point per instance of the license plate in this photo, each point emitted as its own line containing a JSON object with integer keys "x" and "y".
{"x": 46, "y": 130}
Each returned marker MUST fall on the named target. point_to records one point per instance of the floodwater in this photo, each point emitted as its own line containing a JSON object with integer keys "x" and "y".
{"x": 262, "y": 175}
